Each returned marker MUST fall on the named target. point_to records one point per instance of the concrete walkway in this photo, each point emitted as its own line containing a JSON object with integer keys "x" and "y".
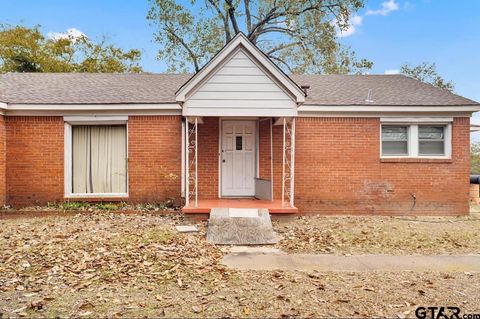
{"x": 272, "y": 260}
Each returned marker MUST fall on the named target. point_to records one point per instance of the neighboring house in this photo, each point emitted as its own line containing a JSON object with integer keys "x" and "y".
{"x": 328, "y": 144}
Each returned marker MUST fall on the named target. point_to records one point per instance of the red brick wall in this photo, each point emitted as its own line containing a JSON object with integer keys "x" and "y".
{"x": 208, "y": 138}
{"x": 338, "y": 171}
{"x": 264, "y": 149}
{"x": 34, "y": 159}
{"x": 35, "y": 156}
{"x": 3, "y": 178}
{"x": 154, "y": 158}
{"x": 338, "y": 168}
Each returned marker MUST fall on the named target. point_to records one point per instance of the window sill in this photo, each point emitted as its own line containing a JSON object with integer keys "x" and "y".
{"x": 415, "y": 160}
{"x": 97, "y": 197}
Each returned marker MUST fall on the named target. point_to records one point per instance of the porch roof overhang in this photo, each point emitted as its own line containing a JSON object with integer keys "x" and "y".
{"x": 240, "y": 80}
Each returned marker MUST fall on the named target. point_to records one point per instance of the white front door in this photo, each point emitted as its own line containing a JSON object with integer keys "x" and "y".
{"x": 237, "y": 158}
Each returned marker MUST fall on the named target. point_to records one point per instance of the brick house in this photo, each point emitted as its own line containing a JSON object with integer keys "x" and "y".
{"x": 238, "y": 133}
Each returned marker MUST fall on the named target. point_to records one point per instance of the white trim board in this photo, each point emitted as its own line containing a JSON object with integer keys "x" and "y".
{"x": 386, "y": 108}
{"x": 413, "y": 140}
{"x": 95, "y": 120}
{"x": 93, "y": 107}
{"x": 67, "y": 180}
{"x": 93, "y": 112}
{"x": 402, "y": 120}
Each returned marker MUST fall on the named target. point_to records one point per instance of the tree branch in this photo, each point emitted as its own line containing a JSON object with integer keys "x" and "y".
{"x": 224, "y": 18}
{"x": 185, "y": 45}
{"x": 248, "y": 16}
{"x": 231, "y": 14}
{"x": 272, "y": 15}
{"x": 283, "y": 46}
{"x": 283, "y": 62}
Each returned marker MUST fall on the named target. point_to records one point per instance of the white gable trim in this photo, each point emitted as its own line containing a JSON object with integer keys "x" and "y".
{"x": 222, "y": 56}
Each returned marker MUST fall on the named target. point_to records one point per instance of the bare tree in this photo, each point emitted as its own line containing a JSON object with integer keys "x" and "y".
{"x": 300, "y": 36}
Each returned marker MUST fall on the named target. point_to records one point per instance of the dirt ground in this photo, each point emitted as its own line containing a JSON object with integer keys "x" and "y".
{"x": 119, "y": 265}
{"x": 381, "y": 235}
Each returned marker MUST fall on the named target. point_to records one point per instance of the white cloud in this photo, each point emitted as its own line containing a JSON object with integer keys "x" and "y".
{"x": 392, "y": 71}
{"x": 73, "y": 34}
{"x": 354, "y": 22}
{"x": 387, "y": 7}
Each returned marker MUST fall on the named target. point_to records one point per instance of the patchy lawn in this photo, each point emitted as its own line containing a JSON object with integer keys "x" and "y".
{"x": 114, "y": 265}
{"x": 381, "y": 235}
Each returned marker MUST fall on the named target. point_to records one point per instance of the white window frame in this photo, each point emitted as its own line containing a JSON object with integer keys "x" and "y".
{"x": 413, "y": 140}
{"x": 71, "y": 121}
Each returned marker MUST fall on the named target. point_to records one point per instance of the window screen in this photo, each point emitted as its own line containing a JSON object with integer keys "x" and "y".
{"x": 394, "y": 140}
{"x": 99, "y": 159}
{"x": 431, "y": 140}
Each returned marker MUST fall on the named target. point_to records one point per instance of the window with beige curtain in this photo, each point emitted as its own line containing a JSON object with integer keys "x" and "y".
{"x": 99, "y": 159}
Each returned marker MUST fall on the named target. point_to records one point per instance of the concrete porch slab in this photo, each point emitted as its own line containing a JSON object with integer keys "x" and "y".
{"x": 206, "y": 205}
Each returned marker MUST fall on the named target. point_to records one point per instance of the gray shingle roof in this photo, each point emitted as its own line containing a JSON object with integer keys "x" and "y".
{"x": 102, "y": 88}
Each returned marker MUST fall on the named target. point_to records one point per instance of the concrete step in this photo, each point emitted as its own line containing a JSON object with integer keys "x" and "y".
{"x": 240, "y": 226}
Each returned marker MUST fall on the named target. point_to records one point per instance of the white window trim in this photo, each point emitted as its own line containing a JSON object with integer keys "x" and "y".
{"x": 87, "y": 120}
{"x": 413, "y": 142}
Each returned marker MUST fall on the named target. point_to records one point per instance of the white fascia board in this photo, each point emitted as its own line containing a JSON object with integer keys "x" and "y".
{"x": 239, "y": 40}
{"x": 92, "y": 112}
{"x": 3, "y": 105}
{"x": 92, "y": 107}
{"x": 385, "y": 108}
{"x": 240, "y": 112}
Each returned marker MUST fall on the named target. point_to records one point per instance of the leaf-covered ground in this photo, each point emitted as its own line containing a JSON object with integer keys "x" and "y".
{"x": 120, "y": 265}
{"x": 381, "y": 235}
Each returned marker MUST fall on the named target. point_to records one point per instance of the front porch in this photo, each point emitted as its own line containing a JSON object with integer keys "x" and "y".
{"x": 238, "y": 163}
{"x": 204, "y": 206}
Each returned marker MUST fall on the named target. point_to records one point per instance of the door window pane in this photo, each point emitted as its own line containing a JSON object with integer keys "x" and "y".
{"x": 238, "y": 143}
{"x": 394, "y": 140}
{"x": 431, "y": 140}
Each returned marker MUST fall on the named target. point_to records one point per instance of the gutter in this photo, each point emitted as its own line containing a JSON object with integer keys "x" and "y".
{"x": 386, "y": 108}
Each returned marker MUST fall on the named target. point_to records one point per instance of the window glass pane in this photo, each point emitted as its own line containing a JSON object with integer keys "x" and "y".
{"x": 394, "y": 140}
{"x": 394, "y": 148}
{"x": 394, "y": 133}
{"x": 99, "y": 159}
{"x": 431, "y": 140}
{"x": 238, "y": 143}
{"x": 431, "y": 148}
{"x": 431, "y": 132}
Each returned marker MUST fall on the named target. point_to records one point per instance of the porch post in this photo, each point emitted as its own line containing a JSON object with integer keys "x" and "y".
{"x": 288, "y": 165}
{"x": 187, "y": 164}
{"x": 292, "y": 162}
{"x": 196, "y": 162}
{"x": 283, "y": 163}
{"x": 271, "y": 157}
{"x": 191, "y": 167}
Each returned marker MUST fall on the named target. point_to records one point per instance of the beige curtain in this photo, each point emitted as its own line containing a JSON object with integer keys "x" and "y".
{"x": 99, "y": 159}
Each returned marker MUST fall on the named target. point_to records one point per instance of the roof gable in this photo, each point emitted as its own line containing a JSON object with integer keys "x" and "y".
{"x": 240, "y": 43}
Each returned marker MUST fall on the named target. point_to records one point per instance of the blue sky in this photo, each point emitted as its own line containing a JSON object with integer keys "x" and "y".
{"x": 388, "y": 32}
